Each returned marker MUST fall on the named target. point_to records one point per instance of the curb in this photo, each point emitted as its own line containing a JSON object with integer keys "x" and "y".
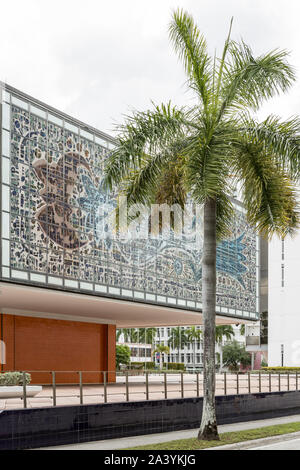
{"x": 257, "y": 442}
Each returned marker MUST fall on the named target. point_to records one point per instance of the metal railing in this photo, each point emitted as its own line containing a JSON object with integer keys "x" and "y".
{"x": 129, "y": 386}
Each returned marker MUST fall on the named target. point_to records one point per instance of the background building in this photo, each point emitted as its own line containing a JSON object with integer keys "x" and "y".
{"x": 187, "y": 352}
{"x": 284, "y": 306}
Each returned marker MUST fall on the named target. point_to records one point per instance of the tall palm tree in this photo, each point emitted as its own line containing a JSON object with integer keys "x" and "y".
{"x": 193, "y": 335}
{"x": 177, "y": 339}
{"x": 167, "y": 153}
{"x": 223, "y": 331}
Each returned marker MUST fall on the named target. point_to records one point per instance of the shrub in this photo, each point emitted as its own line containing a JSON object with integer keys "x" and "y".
{"x": 281, "y": 369}
{"x": 234, "y": 355}
{"x": 151, "y": 366}
{"x": 175, "y": 366}
{"x": 142, "y": 365}
{"x": 13, "y": 378}
{"x": 122, "y": 355}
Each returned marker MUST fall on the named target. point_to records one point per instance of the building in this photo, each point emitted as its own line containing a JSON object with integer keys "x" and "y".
{"x": 140, "y": 352}
{"x": 66, "y": 280}
{"x": 257, "y": 332}
{"x": 190, "y": 353}
{"x": 283, "y": 299}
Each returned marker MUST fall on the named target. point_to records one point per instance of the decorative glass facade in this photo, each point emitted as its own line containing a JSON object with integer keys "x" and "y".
{"x": 55, "y": 229}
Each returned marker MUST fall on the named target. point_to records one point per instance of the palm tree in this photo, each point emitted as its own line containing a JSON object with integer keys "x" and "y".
{"x": 168, "y": 153}
{"x": 130, "y": 335}
{"x": 161, "y": 349}
{"x": 146, "y": 335}
{"x": 193, "y": 335}
{"x": 221, "y": 331}
{"x": 177, "y": 339}
{"x": 243, "y": 329}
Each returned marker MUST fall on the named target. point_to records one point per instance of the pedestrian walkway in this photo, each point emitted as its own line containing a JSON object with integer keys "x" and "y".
{"x": 125, "y": 442}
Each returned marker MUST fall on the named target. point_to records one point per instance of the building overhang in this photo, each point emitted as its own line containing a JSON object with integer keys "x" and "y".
{"x": 18, "y": 299}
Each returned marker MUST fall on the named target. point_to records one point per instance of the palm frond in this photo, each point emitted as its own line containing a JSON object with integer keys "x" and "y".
{"x": 278, "y": 137}
{"x": 191, "y": 47}
{"x": 143, "y": 134}
{"x": 208, "y": 163}
{"x": 269, "y": 195}
{"x": 224, "y": 216}
{"x": 248, "y": 81}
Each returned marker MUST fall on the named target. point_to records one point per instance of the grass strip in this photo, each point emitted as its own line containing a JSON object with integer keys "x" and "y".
{"x": 225, "y": 438}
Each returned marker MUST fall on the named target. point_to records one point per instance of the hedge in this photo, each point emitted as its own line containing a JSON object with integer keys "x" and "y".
{"x": 151, "y": 366}
{"x": 141, "y": 365}
{"x": 174, "y": 366}
{"x": 281, "y": 369}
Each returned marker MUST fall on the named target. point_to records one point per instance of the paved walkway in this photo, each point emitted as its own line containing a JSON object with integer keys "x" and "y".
{"x": 125, "y": 442}
{"x": 116, "y": 392}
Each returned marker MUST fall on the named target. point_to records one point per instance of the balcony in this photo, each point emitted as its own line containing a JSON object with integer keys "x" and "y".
{"x": 252, "y": 340}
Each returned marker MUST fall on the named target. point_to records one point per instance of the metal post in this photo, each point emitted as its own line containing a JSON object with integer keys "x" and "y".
{"x": 279, "y": 387}
{"x": 166, "y": 385}
{"x": 259, "y": 382}
{"x": 249, "y": 382}
{"x": 80, "y": 388}
{"x": 127, "y": 387}
{"x": 237, "y": 383}
{"x": 270, "y": 382}
{"x": 24, "y": 390}
{"x": 147, "y": 385}
{"x": 296, "y": 380}
{"x": 288, "y": 381}
{"x": 225, "y": 384}
{"x": 105, "y": 386}
{"x": 182, "y": 386}
{"x": 197, "y": 384}
{"x": 54, "y": 388}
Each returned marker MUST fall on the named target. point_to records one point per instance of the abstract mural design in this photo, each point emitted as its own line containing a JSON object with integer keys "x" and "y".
{"x": 60, "y": 224}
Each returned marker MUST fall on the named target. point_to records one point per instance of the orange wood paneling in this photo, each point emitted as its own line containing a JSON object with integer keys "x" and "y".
{"x": 38, "y": 344}
{"x": 111, "y": 352}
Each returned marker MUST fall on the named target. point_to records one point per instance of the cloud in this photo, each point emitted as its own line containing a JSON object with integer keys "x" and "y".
{"x": 97, "y": 60}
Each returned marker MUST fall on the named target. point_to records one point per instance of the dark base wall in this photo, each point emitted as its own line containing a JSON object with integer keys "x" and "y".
{"x": 38, "y": 427}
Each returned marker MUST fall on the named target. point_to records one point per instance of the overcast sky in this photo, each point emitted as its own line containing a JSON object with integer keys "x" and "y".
{"x": 96, "y": 59}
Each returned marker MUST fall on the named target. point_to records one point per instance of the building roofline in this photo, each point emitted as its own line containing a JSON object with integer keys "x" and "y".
{"x": 61, "y": 114}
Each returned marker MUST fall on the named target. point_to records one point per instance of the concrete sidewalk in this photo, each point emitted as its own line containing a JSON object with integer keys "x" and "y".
{"x": 124, "y": 442}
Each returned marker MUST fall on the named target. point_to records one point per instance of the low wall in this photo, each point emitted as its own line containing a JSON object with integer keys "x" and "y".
{"x": 38, "y": 427}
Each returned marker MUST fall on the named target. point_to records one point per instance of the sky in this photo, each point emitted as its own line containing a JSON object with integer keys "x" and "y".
{"x": 98, "y": 60}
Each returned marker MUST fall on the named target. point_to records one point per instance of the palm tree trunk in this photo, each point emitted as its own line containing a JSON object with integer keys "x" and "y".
{"x": 221, "y": 356}
{"x": 208, "y": 428}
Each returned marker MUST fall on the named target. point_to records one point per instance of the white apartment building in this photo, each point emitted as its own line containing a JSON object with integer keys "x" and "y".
{"x": 191, "y": 353}
{"x": 284, "y": 304}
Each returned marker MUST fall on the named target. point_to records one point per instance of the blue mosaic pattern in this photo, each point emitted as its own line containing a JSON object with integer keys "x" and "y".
{"x": 60, "y": 225}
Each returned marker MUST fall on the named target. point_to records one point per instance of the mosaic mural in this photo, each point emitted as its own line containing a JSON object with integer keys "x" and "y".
{"x": 60, "y": 224}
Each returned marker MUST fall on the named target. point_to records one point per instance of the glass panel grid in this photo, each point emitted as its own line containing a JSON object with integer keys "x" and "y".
{"x": 59, "y": 216}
